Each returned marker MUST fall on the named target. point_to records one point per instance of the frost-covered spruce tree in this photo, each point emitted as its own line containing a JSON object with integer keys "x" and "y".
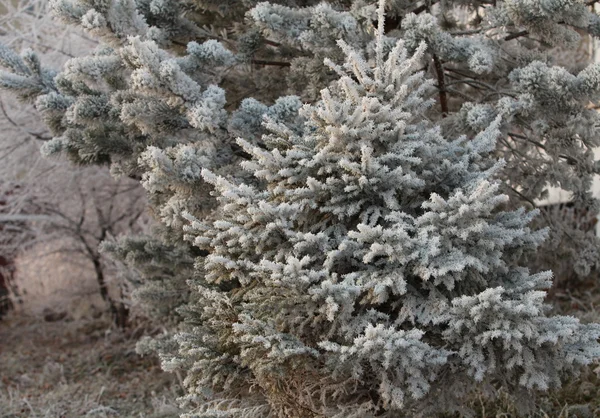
{"x": 173, "y": 83}
{"x": 374, "y": 268}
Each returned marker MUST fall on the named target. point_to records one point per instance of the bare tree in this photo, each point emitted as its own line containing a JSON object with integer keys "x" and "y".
{"x": 50, "y": 201}
{"x": 90, "y": 208}
{"x": 75, "y": 209}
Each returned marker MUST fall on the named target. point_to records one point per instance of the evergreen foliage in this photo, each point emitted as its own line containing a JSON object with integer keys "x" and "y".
{"x": 375, "y": 263}
{"x": 371, "y": 256}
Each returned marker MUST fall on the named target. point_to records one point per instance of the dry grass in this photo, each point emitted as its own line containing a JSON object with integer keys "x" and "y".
{"x": 79, "y": 369}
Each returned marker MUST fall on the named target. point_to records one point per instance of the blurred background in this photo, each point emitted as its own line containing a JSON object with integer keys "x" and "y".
{"x": 67, "y": 325}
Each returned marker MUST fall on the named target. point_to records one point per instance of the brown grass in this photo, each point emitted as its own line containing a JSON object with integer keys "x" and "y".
{"x": 77, "y": 369}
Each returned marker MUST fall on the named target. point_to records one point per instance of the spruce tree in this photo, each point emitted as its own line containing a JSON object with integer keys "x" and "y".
{"x": 374, "y": 267}
{"x": 387, "y": 221}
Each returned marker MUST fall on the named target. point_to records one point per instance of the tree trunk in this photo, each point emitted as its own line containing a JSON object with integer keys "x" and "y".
{"x": 119, "y": 310}
{"x": 5, "y": 277}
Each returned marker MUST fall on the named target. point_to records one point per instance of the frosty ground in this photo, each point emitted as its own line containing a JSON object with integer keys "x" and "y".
{"x": 80, "y": 368}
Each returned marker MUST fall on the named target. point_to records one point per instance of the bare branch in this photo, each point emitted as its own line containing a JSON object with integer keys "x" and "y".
{"x": 439, "y": 69}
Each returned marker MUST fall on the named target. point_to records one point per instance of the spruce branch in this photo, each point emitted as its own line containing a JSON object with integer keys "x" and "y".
{"x": 516, "y": 35}
{"x": 272, "y": 63}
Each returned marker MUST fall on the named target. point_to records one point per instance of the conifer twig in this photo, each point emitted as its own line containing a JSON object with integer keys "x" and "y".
{"x": 516, "y": 35}
{"x": 274, "y": 63}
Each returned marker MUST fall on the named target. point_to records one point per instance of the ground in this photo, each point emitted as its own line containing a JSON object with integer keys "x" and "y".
{"x": 84, "y": 368}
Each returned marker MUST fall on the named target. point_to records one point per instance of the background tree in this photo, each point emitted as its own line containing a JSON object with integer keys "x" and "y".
{"x": 93, "y": 208}
{"x": 45, "y": 202}
{"x": 73, "y": 211}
